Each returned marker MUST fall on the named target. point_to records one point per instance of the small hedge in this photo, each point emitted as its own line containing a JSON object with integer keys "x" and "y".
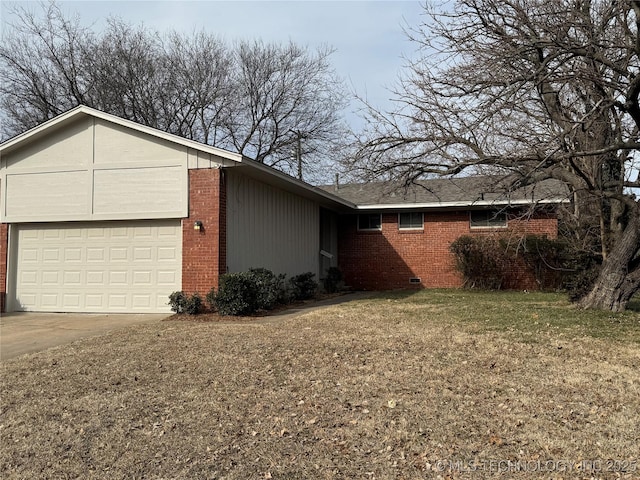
{"x": 180, "y": 302}
{"x": 303, "y": 286}
{"x": 481, "y": 261}
{"x": 484, "y": 262}
{"x": 245, "y": 293}
{"x": 270, "y": 287}
{"x": 237, "y": 295}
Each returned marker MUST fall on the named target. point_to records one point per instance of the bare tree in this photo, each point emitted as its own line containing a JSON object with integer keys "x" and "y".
{"x": 534, "y": 88}
{"x": 258, "y": 99}
{"x": 285, "y": 97}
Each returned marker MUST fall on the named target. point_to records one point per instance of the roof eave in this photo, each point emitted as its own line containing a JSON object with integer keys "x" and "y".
{"x": 462, "y": 204}
{"x": 300, "y": 185}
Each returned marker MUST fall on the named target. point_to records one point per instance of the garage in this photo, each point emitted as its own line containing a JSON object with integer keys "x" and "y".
{"x": 92, "y": 210}
{"x": 128, "y": 266}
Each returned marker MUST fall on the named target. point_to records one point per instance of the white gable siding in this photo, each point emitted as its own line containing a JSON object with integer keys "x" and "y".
{"x": 93, "y": 169}
{"x": 270, "y": 228}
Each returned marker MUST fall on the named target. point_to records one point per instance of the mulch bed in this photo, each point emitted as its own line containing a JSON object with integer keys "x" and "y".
{"x": 211, "y": 316}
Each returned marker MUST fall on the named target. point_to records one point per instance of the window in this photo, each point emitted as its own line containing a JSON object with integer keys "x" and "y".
{"x": 411, "y": 221}
{"x": 369, "y": 221}
{"x": 488, "y": 219}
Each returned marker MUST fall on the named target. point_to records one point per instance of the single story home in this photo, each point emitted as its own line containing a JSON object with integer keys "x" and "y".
{"x": 101, "y": 214}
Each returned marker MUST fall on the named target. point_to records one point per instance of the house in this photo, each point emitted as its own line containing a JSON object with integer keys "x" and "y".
{"x": 100, "y": 214}
{"x": 399, "y": 236}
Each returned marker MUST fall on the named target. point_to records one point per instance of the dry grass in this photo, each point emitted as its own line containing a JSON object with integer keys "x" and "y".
{"x": 396, "y": 386}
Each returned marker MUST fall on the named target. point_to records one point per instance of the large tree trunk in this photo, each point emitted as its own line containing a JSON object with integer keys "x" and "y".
{"x": 619, "y": 277}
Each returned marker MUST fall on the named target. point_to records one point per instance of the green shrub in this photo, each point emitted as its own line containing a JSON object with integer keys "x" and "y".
{"x": 270, "y": 287}
{"x": 303, "y": 286}
{"x": 237, "y": 295}
{"x": 177, "y": 301}
{"x": 180, "y": 302}
{"x": 481, "y": 261}
{"x": 333, "y": 280}
{"x": 193, "y": 305}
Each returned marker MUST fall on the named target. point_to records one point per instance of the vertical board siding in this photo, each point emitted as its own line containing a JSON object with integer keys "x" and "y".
{"x": 268, "y": 227}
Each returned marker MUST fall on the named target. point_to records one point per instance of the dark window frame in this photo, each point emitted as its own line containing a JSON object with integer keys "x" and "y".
{"x": 412, "y": 224}
{"x": 364, "y": 222}
{"x": 488, "y": 219}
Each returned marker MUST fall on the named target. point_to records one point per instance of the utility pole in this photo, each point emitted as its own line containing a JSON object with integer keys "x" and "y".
{"x": 298, "y": 149}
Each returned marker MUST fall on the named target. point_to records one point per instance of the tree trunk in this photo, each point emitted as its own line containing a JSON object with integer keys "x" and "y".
{"x": 619, "y": 277}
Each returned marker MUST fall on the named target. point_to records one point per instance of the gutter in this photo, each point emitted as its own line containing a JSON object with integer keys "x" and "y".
{"x": 480, "y": 203}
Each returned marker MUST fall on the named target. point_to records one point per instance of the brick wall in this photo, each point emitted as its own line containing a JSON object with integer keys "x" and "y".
{"x": 4, "y": 237}
{"x": 389, "y": 258}
{"x": 204, "y": 251}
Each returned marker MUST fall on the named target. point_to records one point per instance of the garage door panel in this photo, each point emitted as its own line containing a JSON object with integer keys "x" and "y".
{"x": 167, "y": 277}
{"x": 95, "y": 278}
{"x": 50, "y": 278}
{"x": 29, "y": 255}
{"x": 73, "y": 255}
{"x": 142, "y": 254}
{"x": 107, "y": 267}
{"x": 50, "y": 255}
{"x": 95, "y": 254}
{"x": 118, "y": 254}
{"x": 29, "y": 277}
{"x": 143, "y": 278}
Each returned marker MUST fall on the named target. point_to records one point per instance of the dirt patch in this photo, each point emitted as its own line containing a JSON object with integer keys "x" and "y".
{"x": 368, "y": 389}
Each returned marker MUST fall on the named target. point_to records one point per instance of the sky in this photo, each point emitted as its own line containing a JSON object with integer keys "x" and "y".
{"x": 368, "y": 36}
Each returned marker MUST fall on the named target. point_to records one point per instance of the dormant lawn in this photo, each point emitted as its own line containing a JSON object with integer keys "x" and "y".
{"x": 432, "y": 384}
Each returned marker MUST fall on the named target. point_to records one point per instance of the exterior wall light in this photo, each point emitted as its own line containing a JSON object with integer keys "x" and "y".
{"x": 197, "y": 225}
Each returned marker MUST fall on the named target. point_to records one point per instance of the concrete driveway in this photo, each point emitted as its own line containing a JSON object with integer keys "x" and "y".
{"x": 22, "y": 333}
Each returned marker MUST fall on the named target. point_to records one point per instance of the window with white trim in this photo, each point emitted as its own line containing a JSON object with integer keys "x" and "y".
{"x": 487, "y": 219}
{"x": 370, "y": 221}
{"x": 410, "y": 220}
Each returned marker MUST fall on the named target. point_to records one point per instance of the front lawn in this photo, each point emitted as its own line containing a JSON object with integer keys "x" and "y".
{"x": 404, "y": 385}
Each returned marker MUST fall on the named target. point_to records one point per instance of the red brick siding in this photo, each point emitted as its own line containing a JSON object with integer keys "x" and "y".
{"x": 204, "y": 251}
{"x": 4, "y": 241}
{"x": 389, "y": 258}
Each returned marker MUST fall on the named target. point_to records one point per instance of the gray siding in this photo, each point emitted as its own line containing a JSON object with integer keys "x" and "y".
{"x": 271, "y": 228}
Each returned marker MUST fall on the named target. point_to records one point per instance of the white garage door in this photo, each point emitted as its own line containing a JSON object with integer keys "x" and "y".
{"x": 98, "y": 267}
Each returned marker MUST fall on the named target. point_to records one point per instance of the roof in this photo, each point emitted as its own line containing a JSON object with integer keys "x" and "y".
{"x": 476, "y": 191}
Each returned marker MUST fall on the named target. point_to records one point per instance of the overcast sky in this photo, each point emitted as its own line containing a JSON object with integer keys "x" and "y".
{"x": 367, "y": 35}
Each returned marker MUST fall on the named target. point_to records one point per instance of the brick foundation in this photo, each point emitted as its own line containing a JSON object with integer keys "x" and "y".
{"x": 388, "y": 259}
{"x": 204, "y": 251}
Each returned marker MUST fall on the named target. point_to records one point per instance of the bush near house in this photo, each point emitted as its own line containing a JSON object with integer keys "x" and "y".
{"x": 237, "y": 294}
{"x": 485, "y": 262}
{"x": 481, "y": 261}
{"x": 180, "y": 302}
{"x": 332, "y": 281}
{"x": 271, "y": 289}
{"x": 245, "y": 293}
{"x": 303, "y": 286}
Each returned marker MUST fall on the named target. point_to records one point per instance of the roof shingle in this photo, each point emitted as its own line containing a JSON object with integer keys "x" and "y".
{"x": 477, "y": 190}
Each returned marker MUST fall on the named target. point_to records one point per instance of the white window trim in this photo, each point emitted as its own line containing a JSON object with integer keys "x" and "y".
{"x": 421, "y": 227}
